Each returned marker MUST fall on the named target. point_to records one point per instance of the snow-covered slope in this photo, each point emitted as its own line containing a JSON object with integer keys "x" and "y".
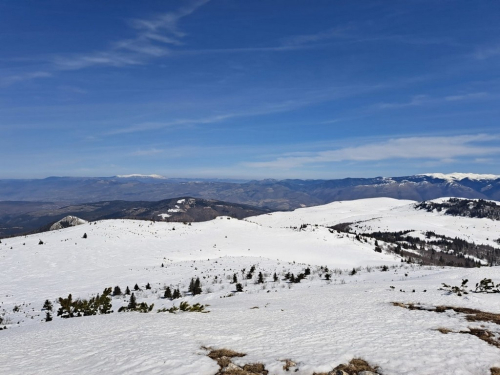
{"x": 452, "y": 177}
{"x": 317, "y": 323}
{"x": 387, "y": 214}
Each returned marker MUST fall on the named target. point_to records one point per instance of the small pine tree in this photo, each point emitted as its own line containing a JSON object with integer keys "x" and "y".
{"x": 40, "y": 242}
{"x": 353, "y": 272}
{"x": 47, "y": 305}
{"x": 191, "y": 286}
{"x": 275, "y": 277}
{"x": 84, "y": 235}
{"x": 132, "y": 304}
{"x": 48, "y": 316}
{"x": 168, "y": 293}
{"x": 197, "y": 286}
{"x": 127, "y": 291}
{"x": 261, "y": 278}
{"x": 117, "y": 291}
{"x": 239, "y": 287}
{"x": 327, "y": 276}
{"x": 176, "y": 294}
{"x": 235, "y": 279}
{"x": 136, "y": 287}
{"x": 148, "y": 286}
{"x": 307, "y": 271}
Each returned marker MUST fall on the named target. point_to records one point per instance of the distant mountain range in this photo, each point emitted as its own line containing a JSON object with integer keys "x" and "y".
{"x": 29, "y": 204}
{"x": 25, "y": 217}
{"x": 274, "y": 194}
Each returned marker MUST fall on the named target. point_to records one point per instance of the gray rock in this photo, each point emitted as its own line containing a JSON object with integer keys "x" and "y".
{"x": 66, "y": 222}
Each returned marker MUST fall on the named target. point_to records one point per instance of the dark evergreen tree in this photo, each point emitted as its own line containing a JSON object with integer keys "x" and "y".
{"x": 132, "y": 304}
{"x": 117, "y": 291}
{"x": 148, "y": 286}
{"x": 191, "y": 286}
{"x": 307, "y": 271}
{"x": 235, "y": 279}
{"x": 84, "y": 235}
{"x": 327, "y": 276}
{"x": 127, "y": 291}
{"x": 176, "y": 294}
{"x": 136, "y": 287}
{"x": 275, "y": 277}
{"x": 40, "y": 242}
{"x": 197, "y": 286}
{"x": 261, "y": 278}
{"x": 47, "y": 305}
{"x": 239, "y": 287}
{"x": 48, "y": 316}
{"x": 168, "y": 293}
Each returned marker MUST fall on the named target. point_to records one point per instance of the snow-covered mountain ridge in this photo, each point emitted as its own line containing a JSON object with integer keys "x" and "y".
{"x": 317, "y": 323}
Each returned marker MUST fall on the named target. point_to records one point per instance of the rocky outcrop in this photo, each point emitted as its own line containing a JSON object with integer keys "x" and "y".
{"x": 66, "y": 222}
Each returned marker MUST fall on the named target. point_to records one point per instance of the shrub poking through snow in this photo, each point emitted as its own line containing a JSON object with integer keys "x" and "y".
{"x": 458, "y": 290}
{"x": 142, "y": 307}
{"x": 239, "y": 287}
{"x": 100, "y": 304}
{"x": 487, "y": 286}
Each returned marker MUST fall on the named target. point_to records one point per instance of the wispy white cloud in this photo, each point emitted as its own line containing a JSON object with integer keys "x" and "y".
{"x": 428, "y": 148}
{"x": 10, "y": 79}
{"x": 300, "y": 100}
{"x": 149, "y": 152}
{"x": 153, "y": 39}
{"x": 420, "y": 100}
{"x": 484, "y": 53}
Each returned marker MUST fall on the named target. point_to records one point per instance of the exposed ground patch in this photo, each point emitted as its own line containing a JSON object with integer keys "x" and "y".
{"x": 223, "y": 357}
{"x": 471, "y": 315}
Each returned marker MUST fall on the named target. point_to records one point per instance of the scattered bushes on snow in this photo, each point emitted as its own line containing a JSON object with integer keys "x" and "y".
{"x": 458, "y": 290}
{"x": 100, "y": 304}
{"x": 487, "y": 286}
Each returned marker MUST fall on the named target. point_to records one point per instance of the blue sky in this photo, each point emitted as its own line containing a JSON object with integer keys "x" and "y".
{"x": 249, "y": 89}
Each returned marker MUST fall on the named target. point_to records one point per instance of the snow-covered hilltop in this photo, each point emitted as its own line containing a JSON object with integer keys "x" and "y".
{"x": 452, "y": 177}
{"x": 319, "y": 287}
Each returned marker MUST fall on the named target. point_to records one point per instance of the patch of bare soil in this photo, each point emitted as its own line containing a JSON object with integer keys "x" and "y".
{"x": 354, "y": 367}
{"x": 471, "y": 315}
{"x": 227, "y": 367}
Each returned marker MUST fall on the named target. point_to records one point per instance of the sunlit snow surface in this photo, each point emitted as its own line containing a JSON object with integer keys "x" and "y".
{"x": 316, "y": 323}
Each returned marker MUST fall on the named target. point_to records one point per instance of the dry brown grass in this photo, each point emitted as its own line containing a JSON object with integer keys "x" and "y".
{"x": 355, "y": 366}
{"x": 444, "y": 330}
{"x": 472, "y": 315}
{"x": 288, "y": 364}
{"x": 257, "y": 368}
{"x": 219, "y": 353}
{"x": 495, "y": 370}
{"x": 223, "y": 359}
{"x": 484, "y": 335}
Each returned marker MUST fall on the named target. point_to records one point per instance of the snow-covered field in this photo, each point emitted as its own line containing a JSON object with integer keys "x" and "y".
{"x": 317, "y": 323}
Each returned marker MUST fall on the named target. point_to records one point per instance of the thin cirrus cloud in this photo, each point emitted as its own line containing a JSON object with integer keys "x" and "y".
{"x": 426, "y": 148}
{"x": 153, "y": 39}
{"x": 420, "y": 100}
{"x": 10, "y": 79}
